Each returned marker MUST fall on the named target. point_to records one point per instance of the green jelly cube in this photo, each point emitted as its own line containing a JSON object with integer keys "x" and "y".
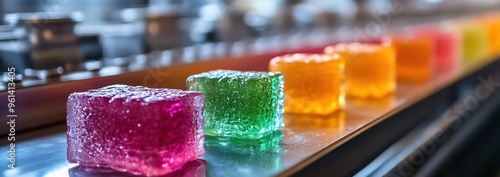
{"x": 240, "y": 104}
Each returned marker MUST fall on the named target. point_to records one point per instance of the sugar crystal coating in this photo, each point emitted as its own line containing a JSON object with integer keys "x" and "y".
{"x": 140, "y": 130}
{"x": 240, "y": 104}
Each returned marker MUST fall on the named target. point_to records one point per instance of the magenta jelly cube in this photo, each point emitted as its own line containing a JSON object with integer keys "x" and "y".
{"x": 140, "y": 130}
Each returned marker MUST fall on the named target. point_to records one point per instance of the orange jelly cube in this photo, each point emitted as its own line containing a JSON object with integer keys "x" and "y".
{"x": 312, "y": 82}
{"x": 414, "y": 57}
{"x": 370, "y": 69}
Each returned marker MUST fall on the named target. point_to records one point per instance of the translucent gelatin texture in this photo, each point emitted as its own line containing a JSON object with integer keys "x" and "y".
{"x": 240, "y": 104}
{"x": 312, "y": 82}
{"x": 414, "y": 57}
{"x": 136, "y": 129}
{"x": 448, "y": 46}
{"x": 370, "y": 69}
{"x": 475, "y": 41}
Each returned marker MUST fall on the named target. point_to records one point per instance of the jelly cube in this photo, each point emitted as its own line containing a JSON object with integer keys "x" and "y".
{"x": 331, "y": 122}
{"x": 233, "y": 154}
{"x": 140, "y": 130}
{"x": 447, "y": 46}
{"x": 492, "y": 25}
{"x": 240, "y": 104}
{"x": 414, "y": 57}
{"x": 370, "y": 69}
{"x": 312, "y": 82}
{"x": 196, "y": 168}
{"x": 474, "y": 40}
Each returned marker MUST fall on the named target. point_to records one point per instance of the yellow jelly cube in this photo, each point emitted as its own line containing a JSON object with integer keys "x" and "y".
{"x": 492, "y": 25}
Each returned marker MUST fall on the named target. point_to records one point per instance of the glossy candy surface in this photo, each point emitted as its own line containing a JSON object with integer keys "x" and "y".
{"x": 136, "y": 129}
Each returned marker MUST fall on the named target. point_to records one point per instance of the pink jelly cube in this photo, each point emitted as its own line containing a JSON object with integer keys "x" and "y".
{"x": 447, "y": 45}
{"x": 140, "y": 130}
